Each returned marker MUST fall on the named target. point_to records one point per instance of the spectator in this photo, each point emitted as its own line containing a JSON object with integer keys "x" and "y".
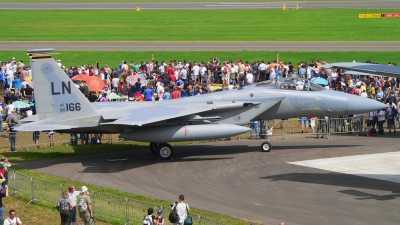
{"x": 51, "y": 135}
{"x": 28, "y": 92}
{"x": 10, "y": 107}
{"x": 254, "y": 126}
{"x": 160, "y": 219}
{"x": 148, "y": 94}
{"x": 3, "y": 193}
{"x": 381, "y": 120}
{"x": 72, "y": 195}
{"x": 12, "y": 120}
{"x": 182, "y": 209}
{"x": 149, "y": 219}
{"x": 64, "y": 206}
{"x": 312, "y": 123}
{"x": 36, "y": 137}
{"x": 392, "y": 115}
{"x": 13, "y": 219}
{"x": 175, "y": 93}
{"x": 85, "y": 214}
{"x": 304, "y": 124}
{"x": 5, "y": 165}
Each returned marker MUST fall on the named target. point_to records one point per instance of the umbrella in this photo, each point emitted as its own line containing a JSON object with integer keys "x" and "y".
{"x": 21, "y": 104}
{"x": 94, "y": 83}
{"x": 320, "y": 81}
{"x": 114, "y": 96}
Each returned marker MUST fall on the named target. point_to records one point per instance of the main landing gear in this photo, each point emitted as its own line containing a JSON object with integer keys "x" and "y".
{"x": 164, "y": 151}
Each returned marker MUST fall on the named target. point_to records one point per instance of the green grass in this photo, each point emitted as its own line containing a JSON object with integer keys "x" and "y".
{"x": 72, "y": 58}
{"x": 197, "y": 25}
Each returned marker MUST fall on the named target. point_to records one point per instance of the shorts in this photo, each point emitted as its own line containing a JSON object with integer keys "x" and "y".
{"x": 304, "y": 121}
{"x": 225, "y": 77}
{"x": 391, "y": 120}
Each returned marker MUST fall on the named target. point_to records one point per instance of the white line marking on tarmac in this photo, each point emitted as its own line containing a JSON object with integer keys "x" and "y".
{"x": 382, "y": 166}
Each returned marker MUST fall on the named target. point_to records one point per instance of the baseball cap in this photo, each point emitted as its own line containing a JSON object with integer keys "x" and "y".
{"x": 160, "y": 211}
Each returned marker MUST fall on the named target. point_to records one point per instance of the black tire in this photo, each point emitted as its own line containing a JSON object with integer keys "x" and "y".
{"x": 165, "y": 151}
{"x": 266, "y": 146}
{"x": 153, "y": 147}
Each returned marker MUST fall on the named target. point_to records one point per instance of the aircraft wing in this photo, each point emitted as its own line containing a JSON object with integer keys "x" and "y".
{"x": 377, "y": 69}
{"x": 152, "y": 114}
{"x": 37, "y": 127}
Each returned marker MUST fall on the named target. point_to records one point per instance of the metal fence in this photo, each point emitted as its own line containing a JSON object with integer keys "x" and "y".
{"x": 320, "y": 127}
{"x": 130, "y": 211}
{"x": 24, "y": 140}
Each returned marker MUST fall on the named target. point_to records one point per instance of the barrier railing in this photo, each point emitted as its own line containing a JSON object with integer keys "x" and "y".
{"x": 117, "y": 207}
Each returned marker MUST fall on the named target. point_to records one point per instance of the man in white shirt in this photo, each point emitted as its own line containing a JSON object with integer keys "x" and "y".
{"x": 196, "y": 71}
{"x": 13, "y": 219}
{"x": 182, "y": 210}
{"x": 262, "y": 68}
{"x": 72, "y": 195}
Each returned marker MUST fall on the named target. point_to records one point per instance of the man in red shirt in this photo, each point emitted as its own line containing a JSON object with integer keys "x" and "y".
{"x": 175, "y": 93}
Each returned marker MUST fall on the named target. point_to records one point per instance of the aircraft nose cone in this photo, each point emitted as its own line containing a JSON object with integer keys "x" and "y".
{"x": 357, "y": 104}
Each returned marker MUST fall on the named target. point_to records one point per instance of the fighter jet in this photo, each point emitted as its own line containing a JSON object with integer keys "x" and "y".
{"x": 63, "y": 108}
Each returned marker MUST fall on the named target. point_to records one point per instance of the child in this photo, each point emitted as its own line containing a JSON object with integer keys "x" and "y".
{"x": 159, "y": 219}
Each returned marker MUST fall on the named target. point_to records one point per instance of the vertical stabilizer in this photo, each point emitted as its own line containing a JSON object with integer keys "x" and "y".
{"x": 57, "y": 98}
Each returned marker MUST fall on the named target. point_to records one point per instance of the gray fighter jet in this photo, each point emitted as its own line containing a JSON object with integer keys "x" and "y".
{"x": 62, "y": 107}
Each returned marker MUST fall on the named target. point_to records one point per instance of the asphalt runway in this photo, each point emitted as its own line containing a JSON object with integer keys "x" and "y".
{"x": 203, "y": 46}
{"x": 380, "y": 4}
{"x": 234, "y": 178}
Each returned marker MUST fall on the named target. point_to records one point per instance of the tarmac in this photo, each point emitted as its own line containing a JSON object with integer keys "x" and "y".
{"x": 301, "y": 181}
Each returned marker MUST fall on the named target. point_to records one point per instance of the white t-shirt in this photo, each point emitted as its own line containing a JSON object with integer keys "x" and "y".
{"x": 181, "y": 211}
{"x": 249, "y": 77}
{"x": 14, "y": 221}
{"x": 196, "y": 70}
{"x": 72, "y": 197}
{"x": 10, "y": 108}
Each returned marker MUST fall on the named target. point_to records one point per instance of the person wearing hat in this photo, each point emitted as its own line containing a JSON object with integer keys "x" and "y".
{"x": 160, "y": 219}
{"x": 85, "y": 213}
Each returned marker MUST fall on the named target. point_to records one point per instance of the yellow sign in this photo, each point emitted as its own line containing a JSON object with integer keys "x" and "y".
{"x": 371, "y": 16}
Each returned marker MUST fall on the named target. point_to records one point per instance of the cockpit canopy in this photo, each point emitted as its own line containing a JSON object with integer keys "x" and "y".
{"x": 290, "y": 83}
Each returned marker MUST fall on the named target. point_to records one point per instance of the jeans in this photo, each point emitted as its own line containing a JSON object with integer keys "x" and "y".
{"x": 73, "y": 215}
{"x": 2, "y": 213}
{"x": 216, "y": 78}
{"x": 254, "y": 126}
{"x": 12, "y": 140}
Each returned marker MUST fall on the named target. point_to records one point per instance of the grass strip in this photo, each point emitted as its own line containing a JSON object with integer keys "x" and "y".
{"x": 113, "y": 59}
{"x": 197, "y": 25}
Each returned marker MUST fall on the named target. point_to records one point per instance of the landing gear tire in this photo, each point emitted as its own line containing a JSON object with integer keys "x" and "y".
{"x": 266, "y": 146}
{"x": 165, "y": 151}
{"x": 153, "y": 147}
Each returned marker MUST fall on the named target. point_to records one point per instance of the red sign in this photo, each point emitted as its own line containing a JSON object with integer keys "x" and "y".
{"x": 392, "y": 15}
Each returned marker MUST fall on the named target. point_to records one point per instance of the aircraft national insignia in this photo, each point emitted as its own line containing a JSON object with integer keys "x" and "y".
{"x": 47, "y": 68}
{"x": 237, "y": 118}
{"x": 318, "y": 98}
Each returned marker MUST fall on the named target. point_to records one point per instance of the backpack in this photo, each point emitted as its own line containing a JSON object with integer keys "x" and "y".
{"x": 173, "y": 215}
{"x": 3, "y": 167}
{"x": 147, "y": 220}
{"x": 82, "y": 206}
{"x": 225, "y": 71}
{"x": 393, "y": 112}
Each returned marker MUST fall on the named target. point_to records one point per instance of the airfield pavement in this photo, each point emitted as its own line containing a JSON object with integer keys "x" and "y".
{"x": 236, "y": 179}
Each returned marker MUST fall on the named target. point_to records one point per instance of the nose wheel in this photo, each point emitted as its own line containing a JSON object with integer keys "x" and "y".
{"x": 266, "y": 146}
